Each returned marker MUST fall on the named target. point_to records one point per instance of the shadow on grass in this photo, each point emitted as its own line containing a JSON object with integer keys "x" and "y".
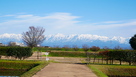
{"x": 81, "y": 63}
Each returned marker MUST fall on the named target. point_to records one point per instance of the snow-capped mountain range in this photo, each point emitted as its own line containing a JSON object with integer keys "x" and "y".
{"x": 73, "y": 39}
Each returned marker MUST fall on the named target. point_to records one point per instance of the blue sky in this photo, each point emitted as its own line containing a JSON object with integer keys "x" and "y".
{"x": 99, "y": 17}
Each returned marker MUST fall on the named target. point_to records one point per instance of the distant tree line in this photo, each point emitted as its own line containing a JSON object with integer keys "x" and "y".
{"x": 114, "y": 55}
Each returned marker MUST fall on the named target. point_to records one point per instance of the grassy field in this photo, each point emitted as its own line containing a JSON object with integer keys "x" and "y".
{"x": 114, "y": 70}
{"x": 43, "y": 49}
{"x": 67, "y": 54}
{"x": 20, "y": 68}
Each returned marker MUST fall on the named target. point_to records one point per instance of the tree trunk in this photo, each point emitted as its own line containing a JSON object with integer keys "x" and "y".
{"x": 120, "y": 62}
{"x": 94, "y": 59}
{"x": 102, "y": 60}
{"x": 107, "y": 61}
{"x": 98, "y": 60}
{"x": 129, "y": 62}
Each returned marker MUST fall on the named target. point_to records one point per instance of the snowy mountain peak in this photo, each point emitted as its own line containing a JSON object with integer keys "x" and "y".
{"x": 73, "y": 39}
{"x": 86, "y": 37}
{"x": 6, "y": 35}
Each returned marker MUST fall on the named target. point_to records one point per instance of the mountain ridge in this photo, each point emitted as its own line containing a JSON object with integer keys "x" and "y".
{"x": 73, "y": 39}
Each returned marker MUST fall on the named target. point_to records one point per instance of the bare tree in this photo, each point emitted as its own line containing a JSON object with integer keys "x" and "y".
{"x": 34, "y": 36}
{"x": 85, "y": 47}
{"x": 75, "y": 47}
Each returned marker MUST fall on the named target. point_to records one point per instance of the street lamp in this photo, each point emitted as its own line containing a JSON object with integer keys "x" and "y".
{"x": 38, "y": 51}
{"x": 47, "y": 53}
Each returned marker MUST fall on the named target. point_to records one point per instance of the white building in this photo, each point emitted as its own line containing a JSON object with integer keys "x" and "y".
{"x": 16, "y": 44}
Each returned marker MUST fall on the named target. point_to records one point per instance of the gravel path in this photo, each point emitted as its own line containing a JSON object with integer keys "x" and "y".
{"x": 65, "y": 70}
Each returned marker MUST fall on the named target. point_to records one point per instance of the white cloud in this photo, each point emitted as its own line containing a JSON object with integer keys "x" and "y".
{"x": 124, "y": 28}
{"x": 7, "y": 16}
{"x": 52, "y": 21}
{"x": 115, "y": 24}
{"x": 61, "y": 16}
{"x": 66, "y": 23}
{"x": 25, "y": 16}
{"x": 112, "y": 22}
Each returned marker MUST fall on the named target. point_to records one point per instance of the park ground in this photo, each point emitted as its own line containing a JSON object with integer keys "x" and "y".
{"x": 64, "y": 67}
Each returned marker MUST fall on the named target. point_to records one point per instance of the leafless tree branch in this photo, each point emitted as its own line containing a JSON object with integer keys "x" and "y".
{"x": 34, "y": 36}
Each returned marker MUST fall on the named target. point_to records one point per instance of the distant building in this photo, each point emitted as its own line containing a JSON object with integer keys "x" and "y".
{"x": 2, "y": 44}
{"x": 20, "y": 44}
{"x": 16, "y": 44}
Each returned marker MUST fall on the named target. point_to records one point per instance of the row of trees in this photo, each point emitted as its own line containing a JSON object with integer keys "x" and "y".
{"x": 76, "y": 48}
{"x": 114, "y": 55}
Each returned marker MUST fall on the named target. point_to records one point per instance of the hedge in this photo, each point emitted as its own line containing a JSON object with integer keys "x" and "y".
{"x": 16, "y": 52}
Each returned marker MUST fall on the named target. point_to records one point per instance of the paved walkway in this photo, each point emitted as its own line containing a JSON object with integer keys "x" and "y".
{"x": 67, "y": 67}
{"x": 65, "y": 70}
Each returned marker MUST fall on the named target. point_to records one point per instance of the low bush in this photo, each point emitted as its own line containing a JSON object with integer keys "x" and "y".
{"x": 66, "y": 48}
{"x": 94, "y": 48}
{"x": 17, "y": 52}
{"x": 3, "y": 50}
{"x": 75, "y": 48}
{"x": 85, "y": 48}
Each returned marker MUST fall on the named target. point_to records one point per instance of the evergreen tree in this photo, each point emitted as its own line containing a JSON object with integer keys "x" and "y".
{"x": 132, "y": 42}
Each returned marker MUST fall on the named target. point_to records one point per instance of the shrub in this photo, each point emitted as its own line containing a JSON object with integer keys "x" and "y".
{"x": 106, "y": 48}
{"x": 117, "y": 48}
{"x": 75, "y": 48}
{"x": 94, "y": 48}
{"x": 66, "y": 47}
{"x": 85, "y": 48}
{"x": 18, "y": 52}
{"x": 3, "y": 51}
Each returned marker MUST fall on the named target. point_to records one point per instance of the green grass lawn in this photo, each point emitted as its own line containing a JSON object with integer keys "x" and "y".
{"x": 67, "y": 54}
{"x": 22, "y": 68}
{"x": 114, "y": 70}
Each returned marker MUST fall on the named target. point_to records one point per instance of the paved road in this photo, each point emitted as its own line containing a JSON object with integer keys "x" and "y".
{"x": 65, "y": 70}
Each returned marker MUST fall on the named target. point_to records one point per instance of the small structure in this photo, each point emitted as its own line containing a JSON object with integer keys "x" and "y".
{"x": 2, "y": 44}
{"x": 16, "y": 44}
{"x": 20, "y": 44}
{"x": 47, "y": 53}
